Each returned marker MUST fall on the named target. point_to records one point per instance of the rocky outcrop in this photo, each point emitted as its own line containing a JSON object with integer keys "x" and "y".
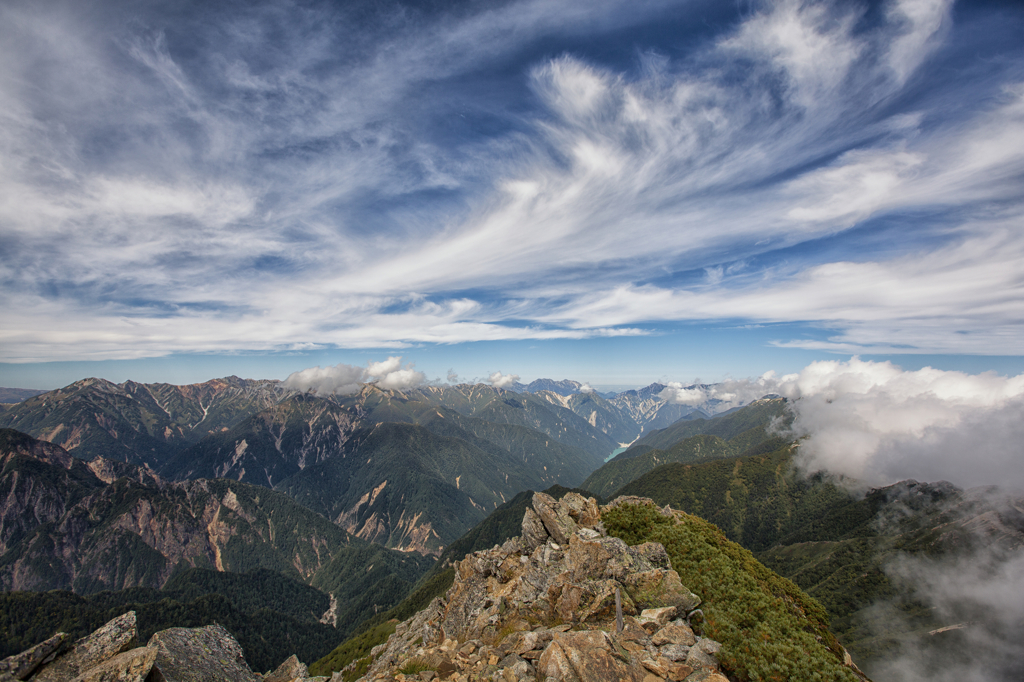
{"x": 20, "y": 666}
{"x": 207, "y": 654}
{"x": 562, "y": 602}
{"x": 110, "y": 640}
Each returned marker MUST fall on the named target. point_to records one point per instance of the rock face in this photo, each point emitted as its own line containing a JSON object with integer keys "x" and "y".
{"x": 207, "y": 654}
{"x": 544, "y": 606}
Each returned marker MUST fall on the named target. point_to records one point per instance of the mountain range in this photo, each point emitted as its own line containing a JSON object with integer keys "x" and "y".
{"x": 132, "y": 486}
{"x": 411, "y": 470}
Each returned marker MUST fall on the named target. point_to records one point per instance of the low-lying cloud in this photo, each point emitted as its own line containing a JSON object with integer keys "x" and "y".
{"x": 344, "y": 379}
{"x": 878, "y": 423}
{"x": 721, "y": 396}
{"x": 979, "y": 601}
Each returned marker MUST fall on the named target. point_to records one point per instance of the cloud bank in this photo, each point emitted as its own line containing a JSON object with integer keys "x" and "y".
{"x": 343, "y": 379}
{"x": 880, "y": 424}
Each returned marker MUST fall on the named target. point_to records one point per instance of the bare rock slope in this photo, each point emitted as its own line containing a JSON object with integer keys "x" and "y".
{"x": 562, "y": 602}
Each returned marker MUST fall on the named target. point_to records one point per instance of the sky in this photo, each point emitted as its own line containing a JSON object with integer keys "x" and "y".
{"x": 614, "y": 192}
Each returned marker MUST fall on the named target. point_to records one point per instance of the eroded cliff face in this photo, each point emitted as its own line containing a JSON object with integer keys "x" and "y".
{"x": 63, "y": 527}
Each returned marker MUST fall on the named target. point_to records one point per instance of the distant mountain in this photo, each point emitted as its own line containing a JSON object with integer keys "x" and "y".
{"x": 598, "y": 412}
{"x": 742, "y": 431}
{"x": 140, "y": 423}
{"x": 648, "y": 410}
{"x": 726, "y": 425}
{"x": 62, "y": 527}
{"x": 271, "y": 445}
{"x": 524, "y": 409}
{"x": 16, "y": 395}
{"x": 563, "y": 387}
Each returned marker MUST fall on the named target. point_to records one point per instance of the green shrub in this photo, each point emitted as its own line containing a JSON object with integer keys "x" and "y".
{"x": 769, "y": 629}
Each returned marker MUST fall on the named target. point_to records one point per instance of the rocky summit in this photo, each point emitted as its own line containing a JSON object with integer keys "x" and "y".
{"x": 563, "y": 601}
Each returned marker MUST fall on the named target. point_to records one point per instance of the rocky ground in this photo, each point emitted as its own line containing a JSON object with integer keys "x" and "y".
{"x": 562, "y": 602}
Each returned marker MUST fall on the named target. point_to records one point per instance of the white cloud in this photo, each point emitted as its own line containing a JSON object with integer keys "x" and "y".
{"x": 402, "y": 379}
{"x": 158, "y": 198}
{"x": 499, "y": 380}
{"x": 813, "y": 46}
{"x": 348, "y": 379}
{"x": 983, "y": 594}
{"x": 337, "y": 380}
{"x": 382, "y": 369}
{"x": 878, "y": 423}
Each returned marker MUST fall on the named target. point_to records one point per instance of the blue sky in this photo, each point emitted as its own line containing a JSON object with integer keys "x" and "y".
{"x": 616, "y": 192}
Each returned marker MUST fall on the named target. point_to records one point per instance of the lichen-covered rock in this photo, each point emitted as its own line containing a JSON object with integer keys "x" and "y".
{"x": 116, "y": 636}
{"x": 20, "y": 666}
{"x": 560, "y": 526}
{"x": 675, "y": 634}
{"x": 660, "y": 587}
{"x": 133, "y": 665}
{"x": 208, "y": 654}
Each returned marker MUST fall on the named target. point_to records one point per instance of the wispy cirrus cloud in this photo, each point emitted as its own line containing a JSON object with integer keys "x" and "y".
{"x": 370, "y": 176}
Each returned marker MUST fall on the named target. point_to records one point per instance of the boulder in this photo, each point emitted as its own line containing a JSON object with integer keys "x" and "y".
{"x": 534, "y": 532}
{"x": 205, "y": 654}
{"x": 658, "y": 588}
{"x": 589, "y": 655}
{"x": 133, "y": 665}
{"x": 292, "y": 669}
{"x": 20, "y": 666}
{"x": 660, "y": 616}
{"x": 674, "y": 634}
{"x": 559, "y": 524}
{"x": 583, "y": 510}
{"x": 116, "y": 636}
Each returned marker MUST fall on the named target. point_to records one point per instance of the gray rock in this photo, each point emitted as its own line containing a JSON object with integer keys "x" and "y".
{"x": 291, "y": 669}
{"x": 133, "y": 665}
{"x": 557, "y": 521}
{"x": 20, "y": 666}
{"x": 675, "y": 652}
{"x": 709, "y": 646}
{"x": 534, "y": 533}
{"x": 697, "y": 659}
{"x": 113, "y": 638}
{"x": 208, "y": 654}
